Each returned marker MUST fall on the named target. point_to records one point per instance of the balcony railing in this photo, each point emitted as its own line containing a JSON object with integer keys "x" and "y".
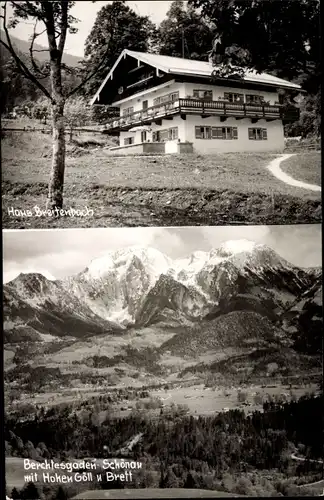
{"x": 193, "y": 106}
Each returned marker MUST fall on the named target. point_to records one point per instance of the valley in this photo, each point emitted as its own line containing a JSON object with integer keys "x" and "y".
{"x": 138, "y": 341}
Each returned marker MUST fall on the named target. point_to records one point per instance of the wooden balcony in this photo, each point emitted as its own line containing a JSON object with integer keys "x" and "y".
{"x": 195, "y": 107}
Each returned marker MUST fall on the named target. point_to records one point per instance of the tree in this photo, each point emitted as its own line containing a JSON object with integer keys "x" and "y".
{"x": 15, "y": 495}
{"x": 190, "y": 481}
{"x": 41, "y": 110}
{"x": 101, "y": 114}
{"x": 76, "y": 114}
{"x": 29, "y": 492}
{"x": 281, "y": 38}
{"x": 244, "y": 486}
{"x": 29, "y": 450}
{"x": 254, "y": 32}
{"x": 58, "y": 22}
{"x": 118, "y": 27}
{"x": 60, "y": 494}
{"x": 169, "y": 480}
{"x": 184, "y": 33}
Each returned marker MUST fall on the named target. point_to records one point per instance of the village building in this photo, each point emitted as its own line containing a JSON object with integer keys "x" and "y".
{"x": 173, "y": 105}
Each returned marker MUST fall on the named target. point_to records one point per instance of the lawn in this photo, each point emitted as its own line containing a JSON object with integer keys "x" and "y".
{"x": 151, "y": 190}
{"x": 304, "y": 167}
{"x": 15, "y": 472}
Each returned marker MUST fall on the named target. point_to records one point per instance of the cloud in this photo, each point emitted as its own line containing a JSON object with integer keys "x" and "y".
{"x": 63, "y": 252}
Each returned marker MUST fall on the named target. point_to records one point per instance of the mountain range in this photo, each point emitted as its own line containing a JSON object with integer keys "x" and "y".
{"x": 141, "y": 287}
{"x": 41, "y": 53}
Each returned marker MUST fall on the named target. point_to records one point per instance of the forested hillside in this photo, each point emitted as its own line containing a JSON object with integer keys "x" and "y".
{"x": 227, "y": 452}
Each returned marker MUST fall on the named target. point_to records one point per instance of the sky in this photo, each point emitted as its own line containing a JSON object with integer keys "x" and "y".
{"x": 86, "y": 13}
{"x": 63, "y": 252}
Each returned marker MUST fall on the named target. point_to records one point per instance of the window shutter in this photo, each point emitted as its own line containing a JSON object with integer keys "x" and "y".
{"x": 219, "y": 133}
{"x": 264, "y": 134}
{"x": 235, "y": 135}
{"x": 198, "y": 133}
{"x": 175, "y": 133}
{"x": 251, "y": 134}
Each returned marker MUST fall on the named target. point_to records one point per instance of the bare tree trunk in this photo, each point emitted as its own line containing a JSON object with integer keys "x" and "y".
{"x": 56, "y": 182}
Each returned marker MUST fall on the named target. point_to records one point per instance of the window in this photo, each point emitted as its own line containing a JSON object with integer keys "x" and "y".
{"x": 235, "y": 98}
{"x": 128, "y": 111}
{"x": 173, "y": 133}
{"x": 128, "y": 140}
{"x": 203, "y": 94}
{"x": 258, "y": 134}
{"x": 254, "y": 99}
{"x": 203, "y": 132}
{"x": 165, "y": 135}
{"x": 216, "y": 132}
{"x": 174, "y": 96}
{"x": 145, "y": 104}
{"x": 143, "y": 136}
{"x": 160, "y": 135}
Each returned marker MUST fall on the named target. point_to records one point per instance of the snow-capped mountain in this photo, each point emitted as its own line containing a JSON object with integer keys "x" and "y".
{"x": 113, "y": 286}
{"x": 140, "y": 286}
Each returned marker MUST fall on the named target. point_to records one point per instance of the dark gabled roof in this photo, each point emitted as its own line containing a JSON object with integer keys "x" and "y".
{"x": 190, "y": 67}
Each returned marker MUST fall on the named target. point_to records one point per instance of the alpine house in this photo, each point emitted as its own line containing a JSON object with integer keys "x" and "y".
{"x": 172, "y": 105}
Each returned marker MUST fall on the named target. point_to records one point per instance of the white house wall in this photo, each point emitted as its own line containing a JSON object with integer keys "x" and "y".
{"x": 136, "y": 102}
{"x": 186, "y": 132}
{"x": 186, "y": 128}
{"x": 186, "y": 89}
{"x": 166, "y": 124}
{"x": 176, "y": 122}
{"x": 275, "y": 141}
{"x": 218, "y": 91}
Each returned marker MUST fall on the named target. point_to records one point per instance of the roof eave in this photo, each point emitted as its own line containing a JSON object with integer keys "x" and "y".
{"x": 125, "y": 52}
{"x": 97, "y": 94}
{"x": 277, "y": 85}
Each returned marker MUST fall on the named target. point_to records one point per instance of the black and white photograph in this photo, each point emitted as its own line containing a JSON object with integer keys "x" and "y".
{"x": 164, "y": 113}
{"x": 176, "y": 362}
{"x": 162, "y": 249}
